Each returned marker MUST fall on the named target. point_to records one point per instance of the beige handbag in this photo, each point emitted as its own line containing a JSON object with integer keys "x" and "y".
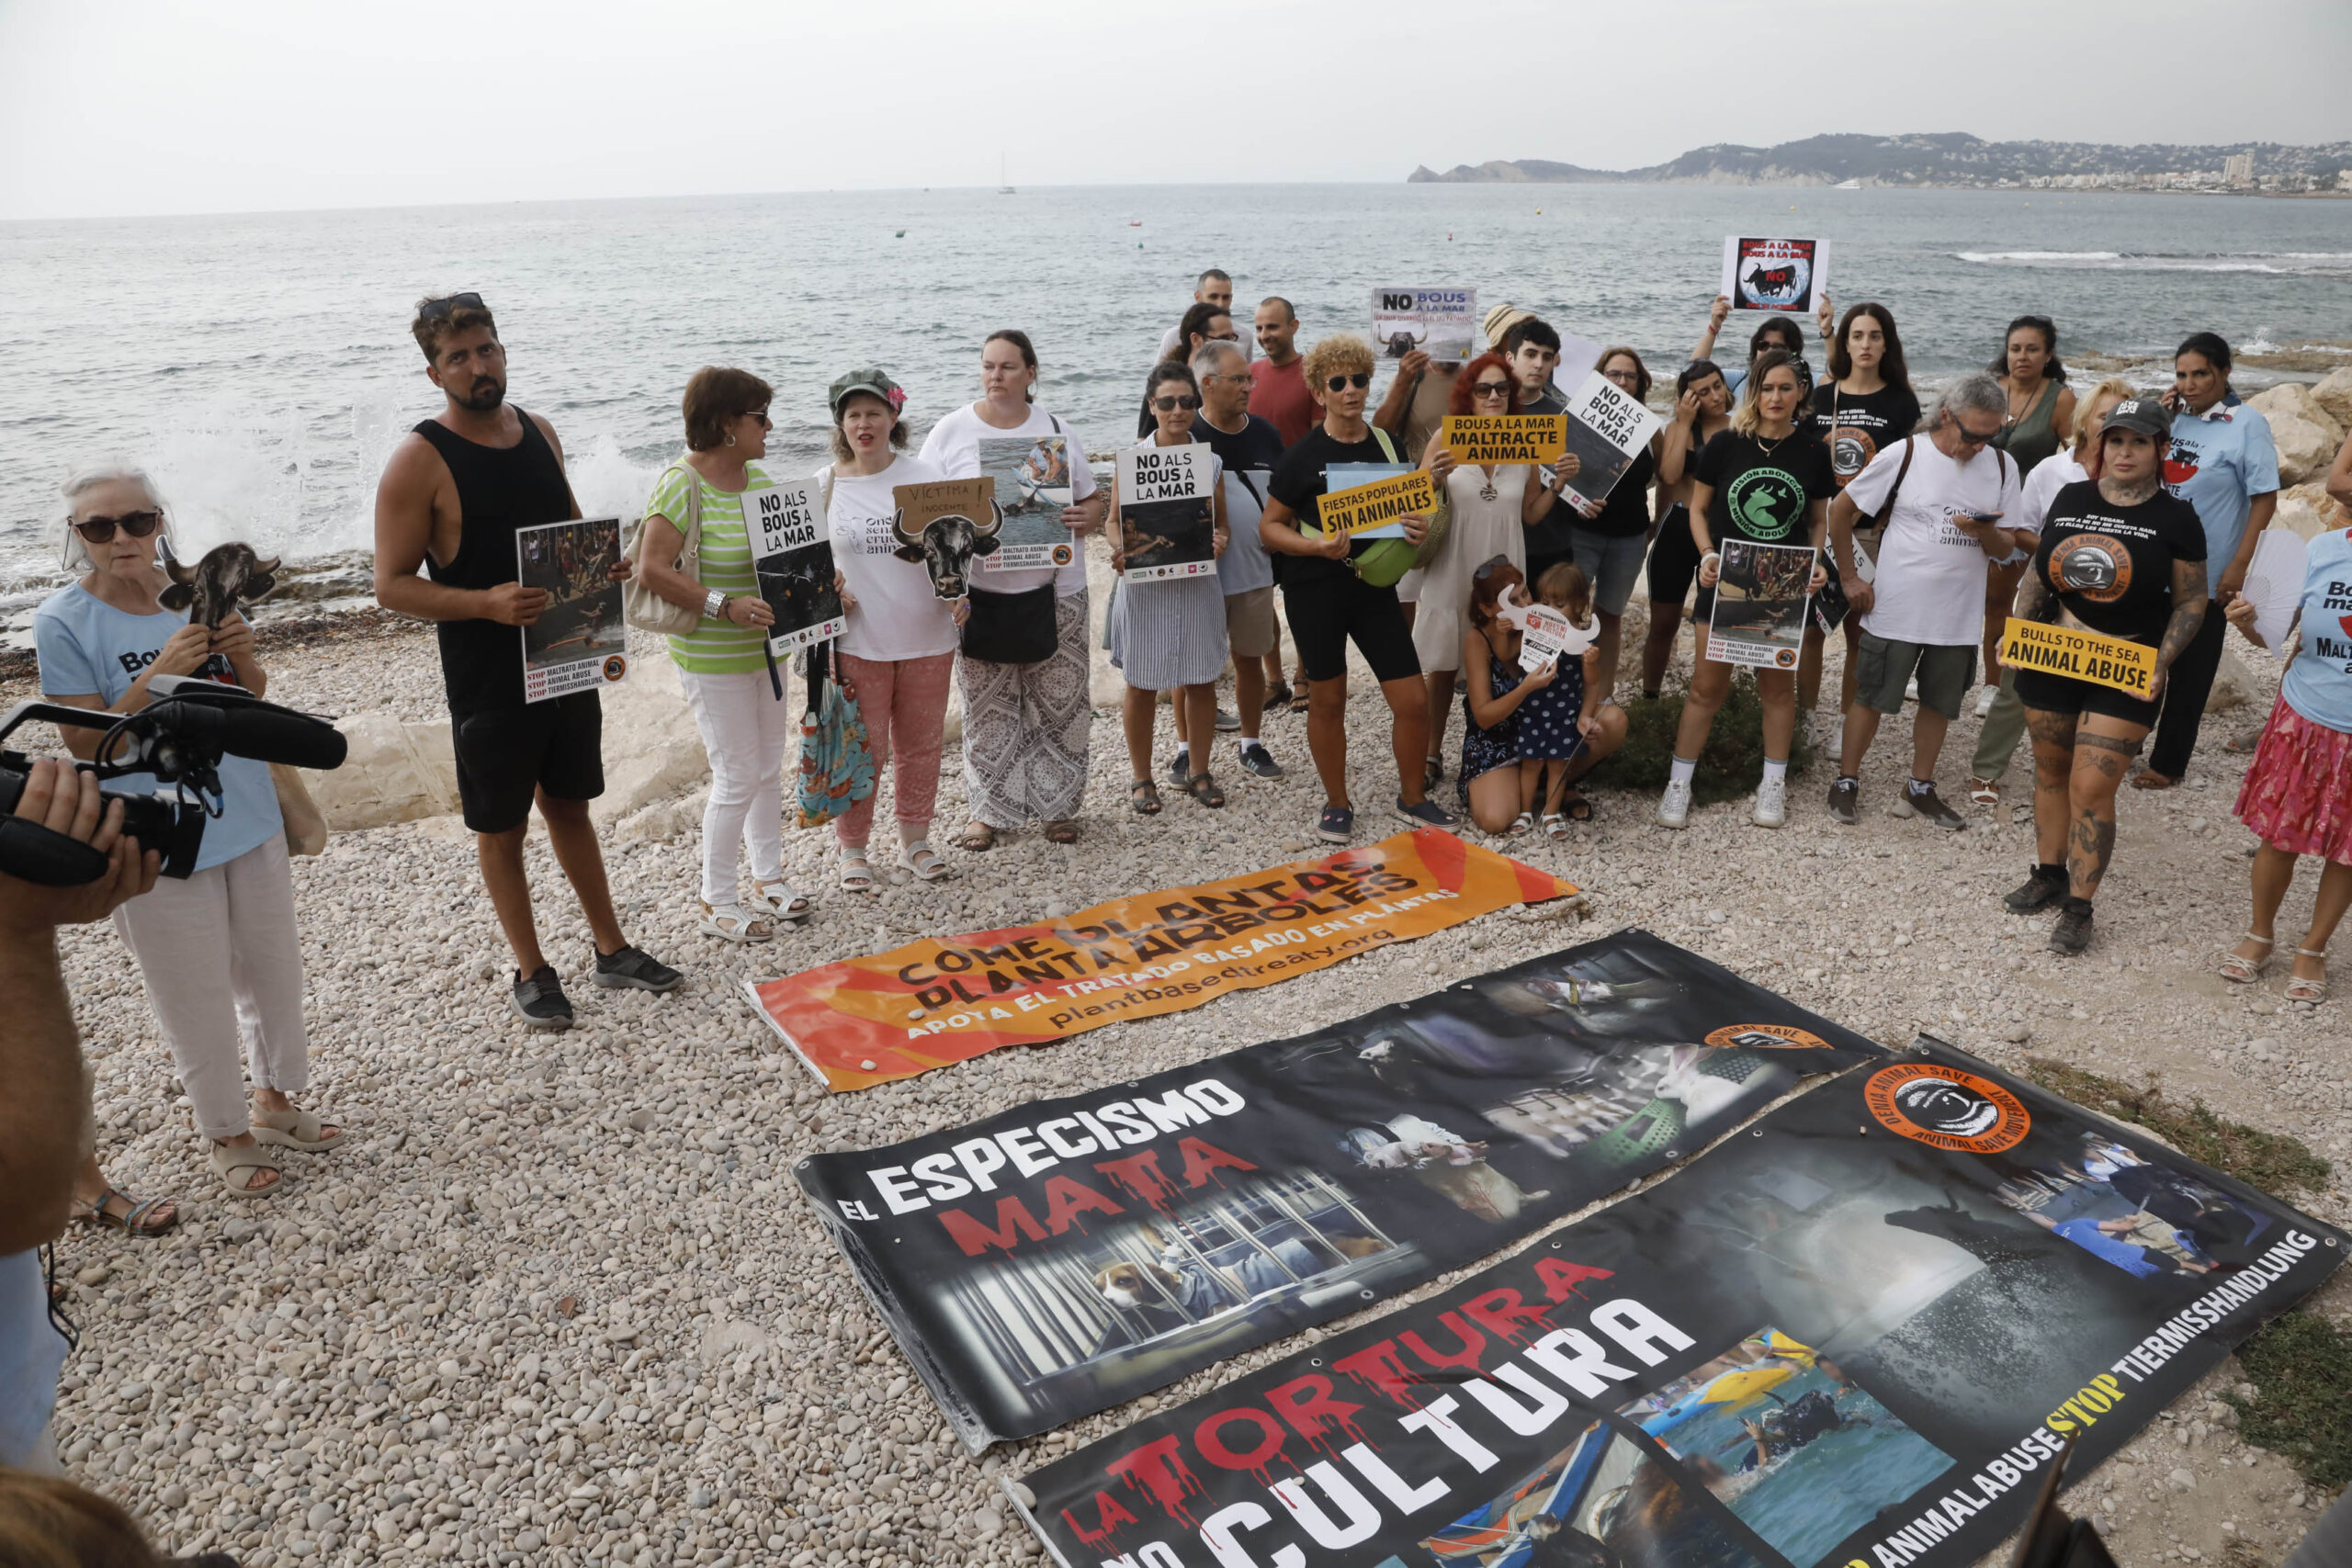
{"x": 306, "y": 825}
{"x": 640, "y": 606}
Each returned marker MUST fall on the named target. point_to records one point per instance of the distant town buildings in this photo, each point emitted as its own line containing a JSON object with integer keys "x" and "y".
{"x": 2238, "y": 169}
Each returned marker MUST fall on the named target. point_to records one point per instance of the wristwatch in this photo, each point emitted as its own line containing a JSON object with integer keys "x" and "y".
{"x": 714, "y": 605}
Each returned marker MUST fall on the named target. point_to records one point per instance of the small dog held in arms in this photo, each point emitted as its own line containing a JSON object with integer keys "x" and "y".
{"x": 228, "y": 576}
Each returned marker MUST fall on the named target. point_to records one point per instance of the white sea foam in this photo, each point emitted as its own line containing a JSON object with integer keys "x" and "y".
{"x": 2282, "y": 263}
{"x": 2037, "y": 256}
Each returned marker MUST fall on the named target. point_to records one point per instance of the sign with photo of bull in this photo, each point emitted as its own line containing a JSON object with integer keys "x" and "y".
{"x": 1441, "y": 323}
{"x": 1032, "y": 474}
{"x": 1167, "y": 521}
{"x": 793, "y": 561}
{"x": 1856, "y": 1335}
{"x": 1071, "y": 1254}
{"x": 1608, "y": 428}
{"x": 1789, "y": 276}
{"x": 947, "y": 524}
{"x": 578, "y": 641}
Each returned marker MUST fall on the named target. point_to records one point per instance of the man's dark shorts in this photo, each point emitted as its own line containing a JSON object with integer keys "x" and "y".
{"x": 506, "y": 755}
{"x": 1327, "y": 612}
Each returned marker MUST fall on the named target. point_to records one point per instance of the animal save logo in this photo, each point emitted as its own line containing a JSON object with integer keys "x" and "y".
{"x": 1765, "y": 503}
{"x": 2098, "y": 567}
{"x": 1947, "y": 1108}
{"x": 1766, "y": 1037}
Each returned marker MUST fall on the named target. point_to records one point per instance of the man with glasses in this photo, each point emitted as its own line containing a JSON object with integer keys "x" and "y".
{"x": 1330, "y": 605}
{"x": 1212, "y": 287}
{"x": 1944, "y": 498}
{"x": 452, "y": 497}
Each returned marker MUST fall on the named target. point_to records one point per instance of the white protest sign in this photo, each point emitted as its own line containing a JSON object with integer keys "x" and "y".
{"x": 792, "y": 560}
{"x": 1165, "y": 519}
{"x": 1608, "y": 427}
{"x": 1441, "y": 323}
{"x": 1546, "y": 635}
{"x": 2274, "y": 584}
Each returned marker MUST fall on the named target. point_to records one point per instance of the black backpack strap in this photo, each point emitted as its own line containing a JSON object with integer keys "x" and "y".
{"x": 1902, "y": 472}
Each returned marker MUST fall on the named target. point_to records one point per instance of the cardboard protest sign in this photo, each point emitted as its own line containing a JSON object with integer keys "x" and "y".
{"x": 2274, "y": 583}
{"x": 793, "y": 559}
{"x": 1441, "y": 323}
{"x": 1546, "y": 634}
{"x": 947, "y": 524}
{"x": 580, "y": 641}
{"x": 2082, "y": 655}
{"x": 1073, "y": 1253}
{"x": 1580, "y": 356}
{"x": 1373, "y": 509}
{"x": 1506, "y": 437}
{"x": 1858, "y": 1333}
{"x": 1761, "y": 595}
{"x": 1785, "y": 276}
{"x": 1165, "y": 511}
{"x": 1608, "y": 428}
{"x": 1033, "y": 485}
{"x": 861, "y": 1021}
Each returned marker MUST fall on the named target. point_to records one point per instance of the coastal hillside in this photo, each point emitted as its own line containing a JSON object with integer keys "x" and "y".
{"x": 1955, "y": 159}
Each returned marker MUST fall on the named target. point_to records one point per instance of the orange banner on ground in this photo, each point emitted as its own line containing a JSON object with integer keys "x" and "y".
{"x": 892, "y": 1015}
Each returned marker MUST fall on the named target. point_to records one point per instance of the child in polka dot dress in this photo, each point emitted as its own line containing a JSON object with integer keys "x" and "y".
{"x": 1548, "y": 735}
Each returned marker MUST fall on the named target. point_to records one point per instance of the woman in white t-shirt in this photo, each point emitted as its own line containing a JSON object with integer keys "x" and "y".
{"x": 897, "y": 650}
{"x": 1024, "y": 673}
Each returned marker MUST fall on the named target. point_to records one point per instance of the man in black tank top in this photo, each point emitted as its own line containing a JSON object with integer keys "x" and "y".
{"x": 450, "y": 501}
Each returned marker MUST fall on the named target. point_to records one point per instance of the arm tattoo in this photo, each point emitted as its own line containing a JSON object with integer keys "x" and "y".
{"x": 2035, "y": 601}
{"x": 2188, "y": 609}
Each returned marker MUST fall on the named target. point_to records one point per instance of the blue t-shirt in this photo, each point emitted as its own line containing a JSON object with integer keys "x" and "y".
{"x": 2318, "y": 684}
{"x": 32, "y": 1352}
{"x": 87, "y": 646}
{"x": 2219, "y": 463}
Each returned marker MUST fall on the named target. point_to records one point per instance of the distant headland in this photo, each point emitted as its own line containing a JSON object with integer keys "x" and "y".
{"x": 1957, "y": 160}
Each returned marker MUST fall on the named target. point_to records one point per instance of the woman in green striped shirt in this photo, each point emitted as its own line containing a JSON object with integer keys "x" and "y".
{"x": 721, "y": 662}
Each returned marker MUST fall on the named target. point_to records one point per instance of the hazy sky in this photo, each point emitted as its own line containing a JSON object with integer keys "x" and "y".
{"x": 111, "y": 106}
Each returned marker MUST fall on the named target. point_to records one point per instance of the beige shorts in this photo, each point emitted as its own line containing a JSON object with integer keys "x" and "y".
{"x": 1250, "y": 629}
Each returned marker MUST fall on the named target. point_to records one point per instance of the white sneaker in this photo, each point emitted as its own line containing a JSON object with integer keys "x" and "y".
{"x": 1772, "y": 803}
{"x": 1985, "y": 697}
{"x": 1674, "y": 807}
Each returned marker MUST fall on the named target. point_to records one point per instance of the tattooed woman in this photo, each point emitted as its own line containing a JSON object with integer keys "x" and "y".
{"x": 2119, "y": 557}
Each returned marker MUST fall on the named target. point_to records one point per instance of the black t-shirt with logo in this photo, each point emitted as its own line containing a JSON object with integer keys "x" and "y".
{"x": 1761, "y": 487}
{"x": 2111, "y": 566}
{"x": 1861, "y": 427}
{"x": 1300, "y": 481}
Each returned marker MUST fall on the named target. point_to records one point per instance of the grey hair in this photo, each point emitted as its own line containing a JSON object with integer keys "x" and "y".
{"x": 72, "y": 554}
{"x": 1209, "y": 358}
{"x": 1976, "y": 392}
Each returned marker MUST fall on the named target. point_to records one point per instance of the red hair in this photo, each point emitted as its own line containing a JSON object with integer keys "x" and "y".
{"x": 1458, "y": 401}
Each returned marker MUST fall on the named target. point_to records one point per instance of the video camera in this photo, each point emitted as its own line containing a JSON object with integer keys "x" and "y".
{"x": 188, "y": 726}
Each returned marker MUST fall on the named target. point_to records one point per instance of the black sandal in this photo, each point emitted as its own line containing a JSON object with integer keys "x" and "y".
{"x": 1300, "y": 700}
{"x": 1576, "y": 808}
{"x": 1203, "y": 789}
{"x": 1277, "y": 697}
{"x": 1432, "y": 773}
{"x": 1144, "y": 795}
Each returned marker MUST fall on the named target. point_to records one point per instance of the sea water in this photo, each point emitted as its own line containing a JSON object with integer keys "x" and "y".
{"x": 260, "y": 366}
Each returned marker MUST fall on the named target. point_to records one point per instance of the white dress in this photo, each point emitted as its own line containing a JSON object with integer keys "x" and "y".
{"x": 1482, "y": 529}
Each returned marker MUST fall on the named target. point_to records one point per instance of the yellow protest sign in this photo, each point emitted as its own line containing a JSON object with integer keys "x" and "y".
{"x": 1378, "y": 504}
{"x": 1507, "y": 437}
{"x": 2082, "y": 655}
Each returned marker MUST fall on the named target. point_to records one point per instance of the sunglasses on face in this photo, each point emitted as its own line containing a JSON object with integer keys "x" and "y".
{"x": 448, "y": 304}
{"x": 1339, "y": 383}
{"x": 1491, "y": 390}
{"x": 1166, "y": 405}
{"x": 137, "y": 525}
{"x": 762, "y": 417}
{"x": 1969, "y": 438}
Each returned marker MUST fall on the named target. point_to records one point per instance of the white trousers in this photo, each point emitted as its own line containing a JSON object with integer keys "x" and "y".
{"x": 222, "y": 959}
{"x": 744, "y": 727}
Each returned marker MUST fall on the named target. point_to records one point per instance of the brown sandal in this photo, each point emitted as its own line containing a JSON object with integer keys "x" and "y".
{"x": 979, "y": 838}
{"x": 2151, "y": 779}
{"x": 1062, "y": 832}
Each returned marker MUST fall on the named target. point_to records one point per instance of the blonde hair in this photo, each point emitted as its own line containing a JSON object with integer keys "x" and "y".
{"x": 1564, "y": 586}
{"x": 1746, "y": 419}
{"x": 72, "y": 554}
{"x": 1342, "y": 353}
{"x": 2114, "y": 387}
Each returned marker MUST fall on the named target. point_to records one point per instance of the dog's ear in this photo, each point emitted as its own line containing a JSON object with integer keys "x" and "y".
{"x": 1103, "y": 1279}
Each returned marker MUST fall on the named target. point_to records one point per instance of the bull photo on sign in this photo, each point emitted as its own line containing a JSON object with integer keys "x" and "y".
{"x": 579, "y": 640}
{"x": 947, "y": 525}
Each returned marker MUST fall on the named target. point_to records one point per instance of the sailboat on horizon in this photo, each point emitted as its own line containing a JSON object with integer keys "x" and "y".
{"x": 1002, "y": 186}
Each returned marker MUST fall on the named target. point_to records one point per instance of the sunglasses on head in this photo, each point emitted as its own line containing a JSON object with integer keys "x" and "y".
{"x": 449, "y": 304}
{"x": 137, "y": 525}
{"x": 1339, "y": 383}
{"x": 1166, "y": 405}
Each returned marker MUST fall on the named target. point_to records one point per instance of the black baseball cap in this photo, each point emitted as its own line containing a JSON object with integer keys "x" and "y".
{"x": 2143, "y": 414}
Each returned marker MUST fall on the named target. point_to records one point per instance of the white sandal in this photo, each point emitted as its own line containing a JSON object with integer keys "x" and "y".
{"x": 927, "y": 864}
{"x": 2239, "y": 970}
{"x": 1555, "y": 826}
{"x": 732, "y": 922}
{"x": 1523, "y": 823}
{"x": 857, "y": 872}
{"x": 789, "y": 904}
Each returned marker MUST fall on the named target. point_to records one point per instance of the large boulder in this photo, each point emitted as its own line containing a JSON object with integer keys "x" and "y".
{"x": 2320, "y": 512}
{"x": 2334, "y": 393}
{"x": 2293, "y": 398}
{"x": 394, "y": 773}
{"x": 2306, "y": 450}
{"x": 2235, "y": 683}
{"x": 653, "y": 750}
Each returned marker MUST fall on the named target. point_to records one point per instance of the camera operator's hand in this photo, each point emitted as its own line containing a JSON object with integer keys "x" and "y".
{"x": 63, "y": 799}
{"x": 512, "y": 605}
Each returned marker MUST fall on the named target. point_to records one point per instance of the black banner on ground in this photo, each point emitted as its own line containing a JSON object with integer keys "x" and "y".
{"x": 1855, "y": 1335}
{"x": 1073, "y": 1254}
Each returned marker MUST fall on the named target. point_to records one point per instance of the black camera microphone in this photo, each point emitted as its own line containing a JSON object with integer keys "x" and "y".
{"x": 229, "y": 719}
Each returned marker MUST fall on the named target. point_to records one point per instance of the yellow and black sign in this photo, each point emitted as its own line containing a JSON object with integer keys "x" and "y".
{"x": 1379, "y": 504}
{"x": 1507, "y": 437}
{"x": 2082, "y": 655}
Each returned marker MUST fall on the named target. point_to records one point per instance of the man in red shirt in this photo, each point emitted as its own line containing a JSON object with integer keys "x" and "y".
{"x": 1278, "y": 391}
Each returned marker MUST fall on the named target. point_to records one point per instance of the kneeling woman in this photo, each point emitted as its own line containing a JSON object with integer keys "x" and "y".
{"x": 2120, "y": 557}
{"x": 1498, "y": 778}
{"x": 1170, "y": 636}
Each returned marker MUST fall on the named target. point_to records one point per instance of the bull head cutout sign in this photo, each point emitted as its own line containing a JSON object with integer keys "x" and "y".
{"x": 229, "y": 575}
{"x": 945, "y": 545}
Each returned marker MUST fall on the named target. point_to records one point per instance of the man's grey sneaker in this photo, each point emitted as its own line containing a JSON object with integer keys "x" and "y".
{"x": 2072, "y": 931}
{"x": 2039, "y": 891}
{"x": 1845, "y": 802}
{"x": 1260, "y": 762}
{"x": 1337, "y": 825}
{"x": 1228, "y": 723}
{"x": 1426, "y": 814}
{"x": 1930, "y": 807}
{"x": 538, "y": 999}
{"x": 634, "y": 969}
{"x": 1180, "y": 767}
